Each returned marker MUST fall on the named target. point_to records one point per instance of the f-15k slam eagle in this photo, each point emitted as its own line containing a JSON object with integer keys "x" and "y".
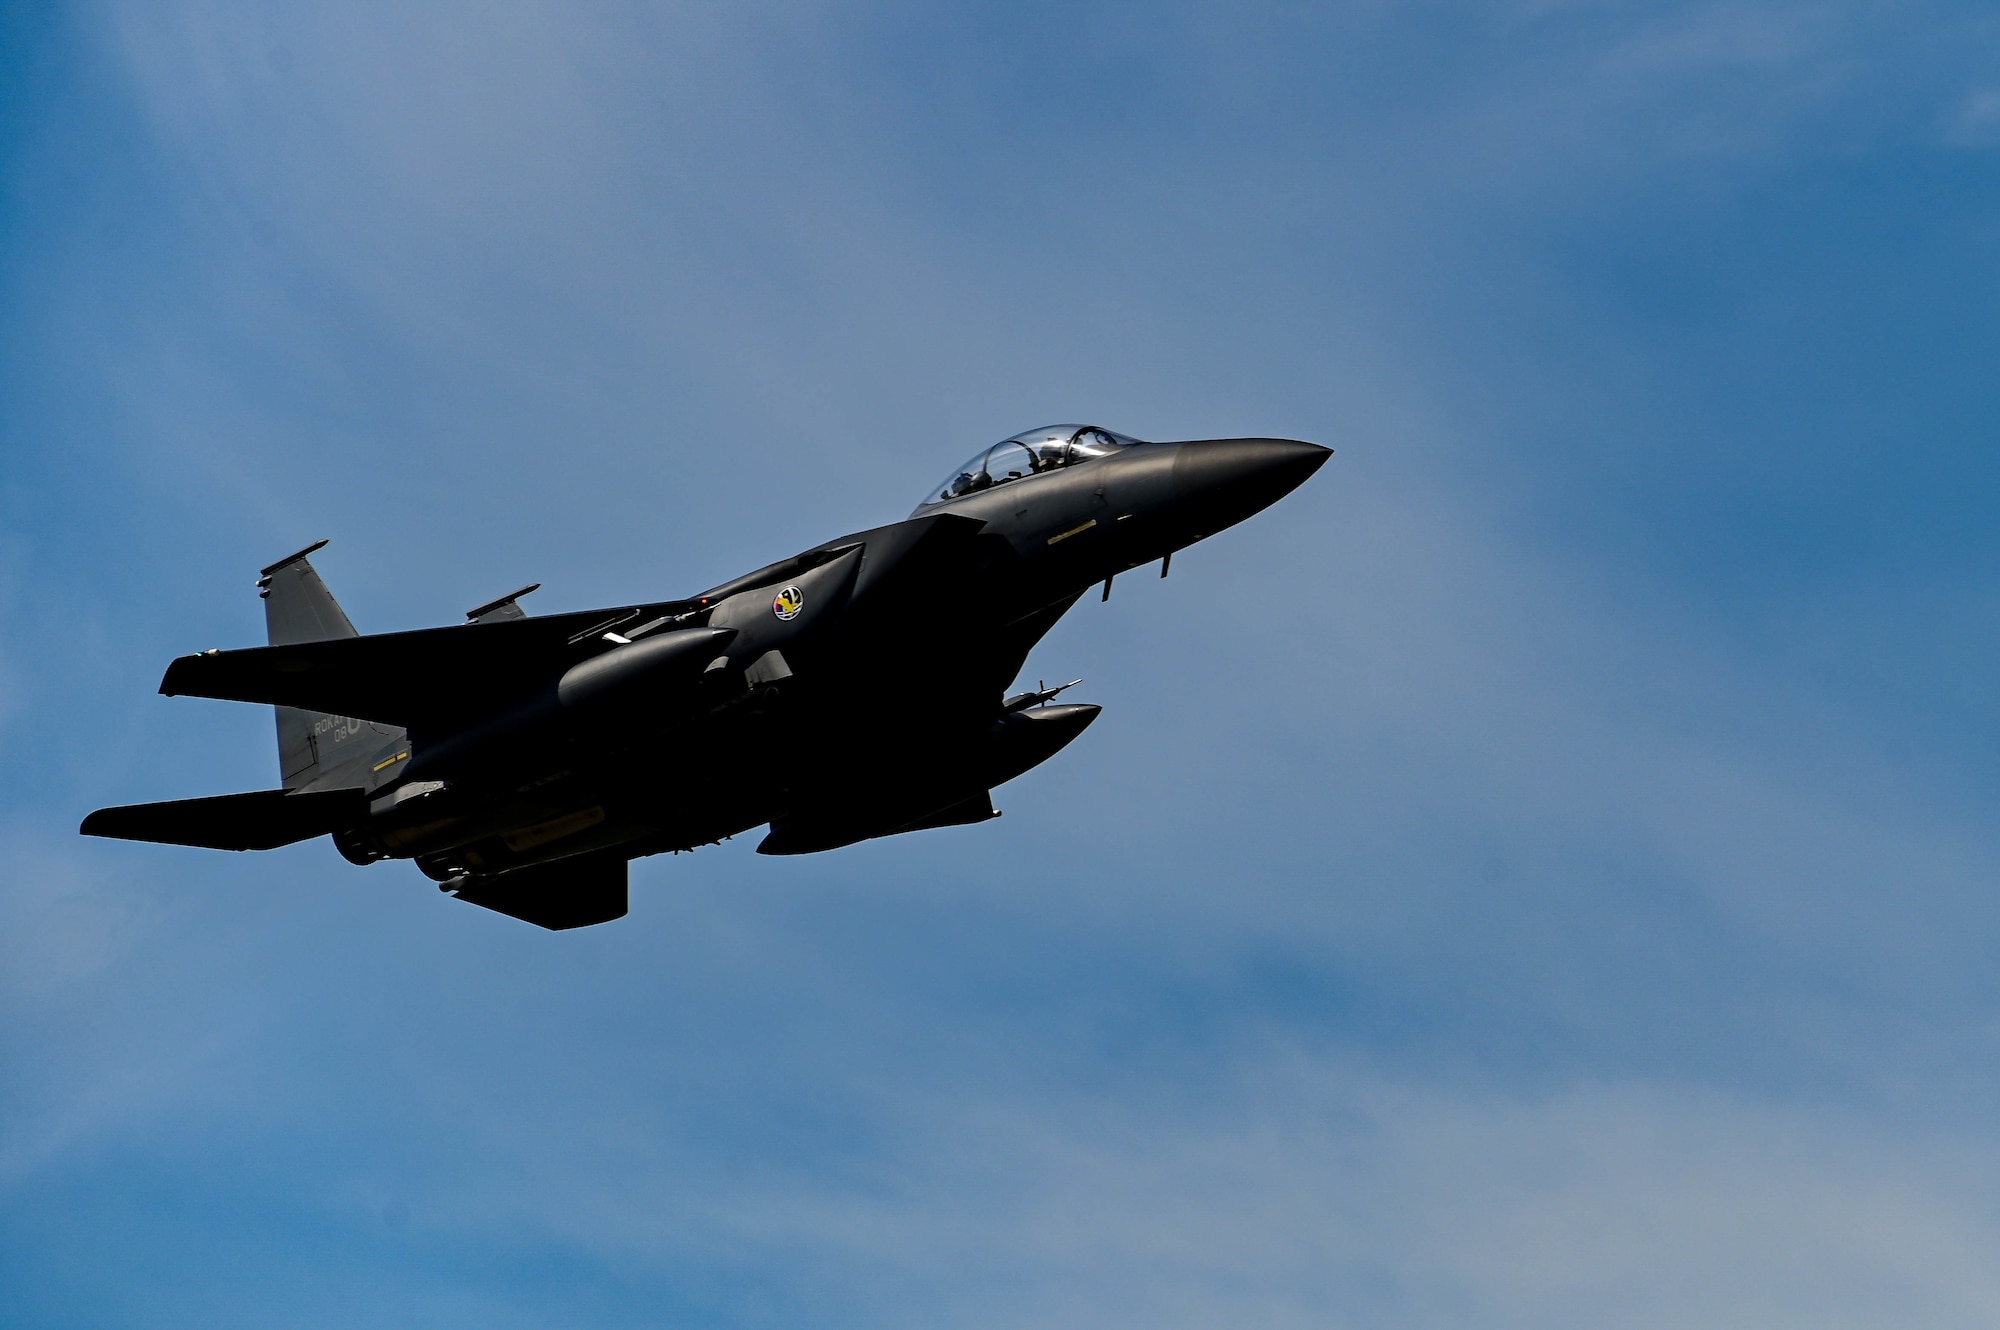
{"x": 523, "y": 762}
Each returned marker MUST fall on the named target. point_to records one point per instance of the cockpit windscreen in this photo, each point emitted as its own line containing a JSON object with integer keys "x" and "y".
{"x": 1028, "y": 453}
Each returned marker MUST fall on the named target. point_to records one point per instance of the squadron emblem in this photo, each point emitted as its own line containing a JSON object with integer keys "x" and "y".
{"x": 789, "y": 602}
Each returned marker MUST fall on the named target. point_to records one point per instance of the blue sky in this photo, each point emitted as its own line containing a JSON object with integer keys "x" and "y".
{"x": 1540, "y": 874}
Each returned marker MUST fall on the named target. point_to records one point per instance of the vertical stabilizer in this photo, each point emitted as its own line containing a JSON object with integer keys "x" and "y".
{"x": 299, "y": 608}
{"x": 297, "y": 605}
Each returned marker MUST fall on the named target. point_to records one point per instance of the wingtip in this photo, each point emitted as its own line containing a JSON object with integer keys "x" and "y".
{"x": 176, "y": 672}
{"x": 313, "y": 548}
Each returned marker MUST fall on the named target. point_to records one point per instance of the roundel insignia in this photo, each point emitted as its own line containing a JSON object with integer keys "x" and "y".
{"x": 789, "y": 602}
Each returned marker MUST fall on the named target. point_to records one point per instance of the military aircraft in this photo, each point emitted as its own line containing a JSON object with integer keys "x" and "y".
{"x": 524, "y": 761}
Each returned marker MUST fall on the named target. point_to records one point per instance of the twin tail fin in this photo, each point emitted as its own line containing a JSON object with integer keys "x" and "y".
{"x": 327, "y": 763}
{"x": 316, "y": 748}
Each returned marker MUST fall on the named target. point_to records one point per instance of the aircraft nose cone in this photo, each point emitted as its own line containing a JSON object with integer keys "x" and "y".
{"x": 1224, "y": 481}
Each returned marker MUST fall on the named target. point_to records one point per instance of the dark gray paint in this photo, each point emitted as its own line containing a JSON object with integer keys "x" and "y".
{"x": 852, "y": 691}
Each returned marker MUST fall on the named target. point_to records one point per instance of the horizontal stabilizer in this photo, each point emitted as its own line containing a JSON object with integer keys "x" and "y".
{"x": 569, "y": 893}
{"x": 260, "y": 820}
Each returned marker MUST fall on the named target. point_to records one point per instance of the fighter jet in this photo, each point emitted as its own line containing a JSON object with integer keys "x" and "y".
{"x": 853, "y": 691}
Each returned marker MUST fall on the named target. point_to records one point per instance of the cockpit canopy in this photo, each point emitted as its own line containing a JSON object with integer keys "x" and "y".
{"x": 1028, "y": 453}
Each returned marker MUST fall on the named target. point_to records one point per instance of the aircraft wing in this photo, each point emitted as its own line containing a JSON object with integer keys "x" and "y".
{"x": 436, "y": 680}
{"x": 432, "y": 680}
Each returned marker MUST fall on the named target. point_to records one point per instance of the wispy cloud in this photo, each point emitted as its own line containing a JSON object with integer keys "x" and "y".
{"x": 1503, "y": 887}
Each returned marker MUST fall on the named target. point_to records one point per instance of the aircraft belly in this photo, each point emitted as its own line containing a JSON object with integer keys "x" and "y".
{"x": 823, "y": 732}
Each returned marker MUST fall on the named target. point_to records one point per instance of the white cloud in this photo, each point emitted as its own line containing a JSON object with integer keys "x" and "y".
{"x": 1301, "y": 1188}
{"x": 592, "y": 245}
{"x": 1977, "y": 121}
